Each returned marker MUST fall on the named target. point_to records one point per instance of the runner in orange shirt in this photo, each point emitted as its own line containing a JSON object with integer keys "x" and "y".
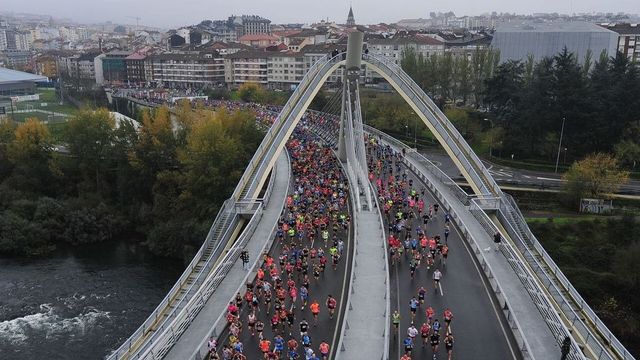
{"x": 315, "y": 310}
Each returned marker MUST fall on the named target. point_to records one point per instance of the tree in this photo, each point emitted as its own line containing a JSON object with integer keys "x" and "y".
{"x": 251, "y": 92}
{"x": 156, "y": 147}
{"x": 628, "y": 153}
{"x": 595, "y": 176}
{"x": 30, "y": 154}
{"x": 89, "y": 136}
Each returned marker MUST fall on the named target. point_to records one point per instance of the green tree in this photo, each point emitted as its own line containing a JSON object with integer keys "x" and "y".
{"x": 89, "y": 136}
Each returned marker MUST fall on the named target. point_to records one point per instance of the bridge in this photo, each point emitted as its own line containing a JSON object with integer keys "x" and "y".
{"x": 512, "y": 303}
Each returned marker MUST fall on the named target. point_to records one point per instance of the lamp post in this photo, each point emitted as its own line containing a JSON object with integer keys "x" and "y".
{"x": 560, "y": 144}
{"x": 491, "y": 138}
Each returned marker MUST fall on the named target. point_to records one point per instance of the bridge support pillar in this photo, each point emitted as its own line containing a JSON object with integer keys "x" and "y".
{"x": 351, "y": 149}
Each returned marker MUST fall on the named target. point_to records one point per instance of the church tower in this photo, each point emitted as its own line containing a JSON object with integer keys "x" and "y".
{"x": 351, "y": 21}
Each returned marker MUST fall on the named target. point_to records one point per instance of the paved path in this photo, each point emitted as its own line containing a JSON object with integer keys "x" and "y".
{"x": 236, "y": 278}
{"x": 482, "y": 330}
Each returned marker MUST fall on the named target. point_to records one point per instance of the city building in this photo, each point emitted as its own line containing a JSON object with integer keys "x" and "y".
{"x": 17, "y": 59}
{"x": 285, "y": 69}
{"x": 135, "y": 65}
{"x": 250, "y": 24}
{"x": 188, "y": 70}
{"x": 628, "y": 39}
{"x": 249, "y": 66}
{"x": 517, "y": 40}
{"x": 114, "y": 69}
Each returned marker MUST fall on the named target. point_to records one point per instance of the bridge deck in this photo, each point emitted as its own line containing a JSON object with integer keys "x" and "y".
{"x": 366, "y": 318}
{"x": 236, "y": 278}
{"x": 541, "y": 341}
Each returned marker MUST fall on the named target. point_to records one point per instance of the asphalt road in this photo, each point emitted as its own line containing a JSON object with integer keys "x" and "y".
{"x": 479, "y": 328}
{"x": 505, "y": 175}
{"x": 334, "y": 282}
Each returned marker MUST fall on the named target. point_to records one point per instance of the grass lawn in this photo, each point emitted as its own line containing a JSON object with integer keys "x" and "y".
{"x": 565, "y": 220}
{"x": 49, "y": 98}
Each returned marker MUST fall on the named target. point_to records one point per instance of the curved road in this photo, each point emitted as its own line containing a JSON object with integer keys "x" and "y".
{"x": 478, "y": 325}
{"x": 334, "y": 282}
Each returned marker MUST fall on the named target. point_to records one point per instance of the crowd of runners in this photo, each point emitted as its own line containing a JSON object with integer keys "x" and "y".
{"x": 280, "y": 310}
{"x": 285, "y": 309}
{"x": 415, "y": 243}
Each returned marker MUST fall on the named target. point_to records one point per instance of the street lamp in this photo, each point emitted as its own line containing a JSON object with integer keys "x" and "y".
{"x": 564, "y": 161}
{"x": 491, "y": 138}
{"x": 560, "y": 144}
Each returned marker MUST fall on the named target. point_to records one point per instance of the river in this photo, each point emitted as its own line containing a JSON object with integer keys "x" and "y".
{"x": 81, "y": 303}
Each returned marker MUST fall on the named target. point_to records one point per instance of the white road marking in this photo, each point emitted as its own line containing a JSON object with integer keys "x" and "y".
{"x": 548, "y": 179}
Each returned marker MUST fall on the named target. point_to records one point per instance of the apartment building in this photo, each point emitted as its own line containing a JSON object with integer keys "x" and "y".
{"x": 188, "y": 70}
{"x": 628, "y": 39}
{"x": 249, "y": 66}
{"x": 285, "y": 69}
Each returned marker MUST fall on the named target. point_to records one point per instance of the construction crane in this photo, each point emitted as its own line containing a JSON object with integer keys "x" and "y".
{"x": 137, "y": 21}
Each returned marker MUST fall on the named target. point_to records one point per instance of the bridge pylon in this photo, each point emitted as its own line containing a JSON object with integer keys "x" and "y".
{"x": 351, "y": 149}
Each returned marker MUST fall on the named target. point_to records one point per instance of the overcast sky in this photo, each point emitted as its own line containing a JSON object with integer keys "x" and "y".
{"x": 173, "y": 13}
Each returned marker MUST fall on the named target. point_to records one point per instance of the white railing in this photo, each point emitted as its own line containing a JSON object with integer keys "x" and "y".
{"x": 181, "y": 322}
{"x": 163, "y": 309}
{"x": 169, "y": 334}
{"x": 220, "y": 323}
{"x": 528, "y": 280}
{"x": 556, "y": 283}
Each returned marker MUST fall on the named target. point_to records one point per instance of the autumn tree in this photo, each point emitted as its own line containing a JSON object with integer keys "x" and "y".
{"x": 595, "y": 176}
{"x": 30, "y": 152}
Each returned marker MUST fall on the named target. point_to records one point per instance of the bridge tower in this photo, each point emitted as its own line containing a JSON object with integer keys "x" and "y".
{"x": 351, "y": 149}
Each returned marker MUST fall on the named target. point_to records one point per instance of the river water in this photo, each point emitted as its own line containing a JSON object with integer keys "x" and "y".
{"x": 81, "y": 303}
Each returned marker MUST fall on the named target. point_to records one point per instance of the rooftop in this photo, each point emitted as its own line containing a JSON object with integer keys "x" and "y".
{"x": 551, "y": 27}
{"x": 12, "y": 76}
{"x": 623, "y": 28}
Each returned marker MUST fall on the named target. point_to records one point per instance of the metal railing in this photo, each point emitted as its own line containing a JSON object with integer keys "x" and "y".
{"x": 169, "y": 335}
{"x": 528, "y": 280}
{"x": 556, "y": 283}
{"x": 219, "y": 325}
{"x": 166, "y": 307}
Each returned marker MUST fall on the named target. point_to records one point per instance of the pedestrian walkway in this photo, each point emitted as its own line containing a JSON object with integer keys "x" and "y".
{"x": 201, "y": 326}
{"x": 541, "y": 341}
{"x": 366, "y": 318}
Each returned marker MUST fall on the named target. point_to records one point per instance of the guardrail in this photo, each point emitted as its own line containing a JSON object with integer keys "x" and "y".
{"x": 162, "y": 346}
{"x": 219, "y": 326}
{"x": 528, "y": 280}
{"x": 169, "y": 335}
{"x": 516, "y": 227}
